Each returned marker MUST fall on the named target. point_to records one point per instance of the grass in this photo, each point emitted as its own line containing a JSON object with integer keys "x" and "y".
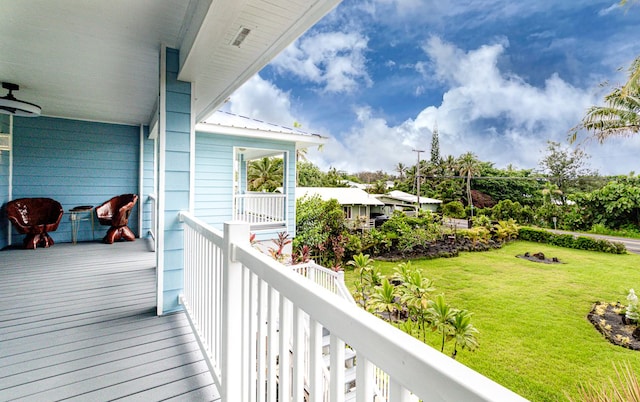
{"x": 534, "y": 336}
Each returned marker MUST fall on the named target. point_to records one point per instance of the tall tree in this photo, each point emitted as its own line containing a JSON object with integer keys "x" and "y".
{"x": 620, "y": 117}
{"x": 469, "y": 166}
{"x": 435, "y": 146}
{"x": 564, "y": 166}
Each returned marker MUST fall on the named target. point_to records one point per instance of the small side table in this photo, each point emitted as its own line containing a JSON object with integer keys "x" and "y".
{"x": 77, "y": 215}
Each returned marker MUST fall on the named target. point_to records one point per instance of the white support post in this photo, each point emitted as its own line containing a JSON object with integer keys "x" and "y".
{"x": 231, "y": 367}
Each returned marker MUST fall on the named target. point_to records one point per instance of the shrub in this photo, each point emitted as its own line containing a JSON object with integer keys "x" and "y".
{"x": 568, "y": 241}
{"x": 453, "y": 209}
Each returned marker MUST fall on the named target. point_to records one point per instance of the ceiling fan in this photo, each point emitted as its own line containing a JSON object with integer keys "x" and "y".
{"x": 10, "y": 105}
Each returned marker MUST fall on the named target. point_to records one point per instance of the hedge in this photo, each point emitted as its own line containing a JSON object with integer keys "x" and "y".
{"x": 569, "y": 241}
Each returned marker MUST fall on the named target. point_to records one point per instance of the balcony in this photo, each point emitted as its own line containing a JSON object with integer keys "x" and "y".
{"x": 261, "y": 210}
{"x": 79, "y": 322}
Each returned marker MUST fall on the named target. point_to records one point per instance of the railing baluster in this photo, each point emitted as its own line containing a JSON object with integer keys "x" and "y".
{"x": 298, "y": 354}
{"x": 272, "y": 341}
{"x": 262, "y": 341}
{"x": 284, "y": 383}
{"x": 315, "y": 362}
{"x": 337, "y": 369}
{"x": 364, "y": 380}
{"x": 397, "y": 393}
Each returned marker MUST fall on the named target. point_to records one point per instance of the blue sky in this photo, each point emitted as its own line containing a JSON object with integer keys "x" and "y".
{"x": 499, "y": 78}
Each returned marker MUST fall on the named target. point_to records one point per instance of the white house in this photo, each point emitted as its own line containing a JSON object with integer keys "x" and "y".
{"x": 397, "y": 200}
{"x": 357, "y": 204}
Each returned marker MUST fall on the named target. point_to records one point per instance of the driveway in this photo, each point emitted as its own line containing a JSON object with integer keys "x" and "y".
{"x": 632, "y": 245}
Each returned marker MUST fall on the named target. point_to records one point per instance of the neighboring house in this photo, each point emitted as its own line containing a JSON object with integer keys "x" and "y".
{"x": 400, "y": 201}
{"x": 357, "y": 204}
{"x": 225, "y": 144}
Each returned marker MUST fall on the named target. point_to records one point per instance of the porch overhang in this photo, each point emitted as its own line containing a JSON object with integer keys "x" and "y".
{"x": 99, "y": 61}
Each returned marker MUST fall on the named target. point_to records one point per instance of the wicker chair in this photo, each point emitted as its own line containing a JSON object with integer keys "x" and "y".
{"x": 34, "y": 217}
{"x": 115, "y": 213}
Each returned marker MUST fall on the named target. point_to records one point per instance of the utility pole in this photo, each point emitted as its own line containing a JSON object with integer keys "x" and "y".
{"x": 418, "y": 151}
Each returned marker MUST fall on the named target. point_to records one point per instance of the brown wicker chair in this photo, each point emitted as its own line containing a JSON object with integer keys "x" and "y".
{"x": 34, "y": 217}
{"x": 115, "y": 213}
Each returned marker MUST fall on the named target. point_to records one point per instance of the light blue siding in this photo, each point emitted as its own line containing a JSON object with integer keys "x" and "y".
{"x": 75, "y": 163}
{"x": 176, "y": 192}
{"x": 214, "y": 177}
{"x": 4, "y": 184}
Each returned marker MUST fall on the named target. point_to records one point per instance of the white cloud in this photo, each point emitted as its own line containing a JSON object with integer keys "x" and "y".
{"x": 496, "y": 115}
{"x": 260, "y": 99}
{"x": 613, "y": 7}
{"x": 335, "y": 61}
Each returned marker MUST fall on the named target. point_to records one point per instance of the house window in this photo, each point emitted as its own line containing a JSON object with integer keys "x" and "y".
{"x": 347, "y": 212}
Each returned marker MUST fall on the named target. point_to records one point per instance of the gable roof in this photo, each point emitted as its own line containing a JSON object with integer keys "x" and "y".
{"x": 344, "y": 195}
{"x": 222, "y": 122}
{"x": 409, "y": 198}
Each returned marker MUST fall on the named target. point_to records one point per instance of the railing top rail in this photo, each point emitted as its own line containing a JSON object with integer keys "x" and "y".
{"x": 314, "y": 265}
{"x": 260, "y": 195}
{"x": 400, "y": 355}
{"x": 210, "y": 233}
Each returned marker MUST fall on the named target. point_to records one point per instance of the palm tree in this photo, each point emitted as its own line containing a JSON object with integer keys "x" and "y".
{"x": 265, "y": 174}
{"x": 401, "y": 168}
{"x": 469, "y": 166}
{"x": 464, "y": 333}
{"x": 620, "y": 117}
{"x": 441, "y": 318}
{"x": 449, "y": 165}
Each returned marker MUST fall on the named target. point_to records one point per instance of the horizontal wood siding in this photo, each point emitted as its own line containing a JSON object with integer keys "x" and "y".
{"x": 177, "y": 187}
{"x": 214, "y": 176}
{"x": 4, "y": 184}
{"x": 75, "y": 163}
{"x": 78, "y": 322}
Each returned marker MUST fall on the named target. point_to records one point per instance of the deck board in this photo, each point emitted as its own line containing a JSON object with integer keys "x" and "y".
{"x": 78, "y": 322}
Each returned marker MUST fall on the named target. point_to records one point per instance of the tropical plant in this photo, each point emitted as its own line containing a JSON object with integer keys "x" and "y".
{"x": 464, "y": 333}
{"x": 441, "y": 317}
{"x": 281, "y": 242}
{"x": 620, "y": 116}
{"x": 361, "y": 264}
{"x": 624, "y": 388}
{"x": 383, "y": 299}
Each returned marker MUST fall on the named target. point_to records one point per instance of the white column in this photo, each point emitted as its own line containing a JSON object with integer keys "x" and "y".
{"x": 231, "y": 367}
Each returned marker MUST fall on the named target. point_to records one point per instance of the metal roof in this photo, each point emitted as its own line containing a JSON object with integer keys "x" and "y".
{"x": 344, "y": 195}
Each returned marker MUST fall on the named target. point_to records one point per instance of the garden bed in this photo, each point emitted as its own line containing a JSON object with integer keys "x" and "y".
{"x": 609, "y": 320}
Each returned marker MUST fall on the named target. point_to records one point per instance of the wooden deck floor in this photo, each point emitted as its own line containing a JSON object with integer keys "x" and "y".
{"x": 78, "y": 322}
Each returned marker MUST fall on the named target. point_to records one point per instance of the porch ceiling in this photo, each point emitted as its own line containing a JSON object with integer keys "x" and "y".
{"x": 98, "y": 60}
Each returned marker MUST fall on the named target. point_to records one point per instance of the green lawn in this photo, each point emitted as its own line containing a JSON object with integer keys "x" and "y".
{"x": 534, "y": 336}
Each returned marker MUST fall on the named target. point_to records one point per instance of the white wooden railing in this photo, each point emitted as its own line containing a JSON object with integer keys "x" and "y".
{"x": 260, "y": 208}
{"x": 331, "y": 280}
{"x": 251, "y": 314}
